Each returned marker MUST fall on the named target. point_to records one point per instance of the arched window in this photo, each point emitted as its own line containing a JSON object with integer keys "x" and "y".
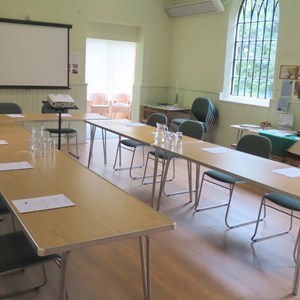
{"x": 254, "y": 51}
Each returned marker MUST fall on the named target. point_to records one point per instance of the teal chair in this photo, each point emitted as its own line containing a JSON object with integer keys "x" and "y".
{"x": 4, "y": 210}
{"x": 280, "y": 201}
{"x": 10, "y": 108}
{"x": 287, "y": 205}
{"x": 203, "y": 110}
{"x": 68, "y": 132}
{"x": 251, "y": 144}
{"x": 7, "y": 108}
{"x": 18, "y": 254}
{"x": 189, "y": 128}
{"x": 132, "y": 146}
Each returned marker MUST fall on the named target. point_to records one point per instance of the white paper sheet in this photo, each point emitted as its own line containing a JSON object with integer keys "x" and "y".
{"x": 290, "y": 172}
{"x": 15, "y": 115}
{"x": 3, "y": 142}
{"x": 65, "y": 115}
{"x": 42, "y": 203}
{"x": 216, "y": 149}
{"x": 19, "y": 165}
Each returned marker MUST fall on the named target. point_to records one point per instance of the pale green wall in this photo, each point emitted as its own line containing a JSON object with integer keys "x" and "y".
{"x": 198, "y": 58}
{"x": 144, "y": 19}
{"x": 191, "y": 50}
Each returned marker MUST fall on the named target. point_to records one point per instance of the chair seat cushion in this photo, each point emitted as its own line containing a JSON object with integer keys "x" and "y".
{"x": 179, "y": 121}
{"x": 99, "y": 105}
{"x": 17, "y": 252}
{"x": 132, "y": 143}
{"x": 284, "y": 200}
{"x": 163, "y": 154}
{"x": 222, "y": 177}
{"x": 62, "y": 131}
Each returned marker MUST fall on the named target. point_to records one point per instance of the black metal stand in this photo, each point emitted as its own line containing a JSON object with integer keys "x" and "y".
{"x": 60, "y": 110}
{"x": 59, "y": 130}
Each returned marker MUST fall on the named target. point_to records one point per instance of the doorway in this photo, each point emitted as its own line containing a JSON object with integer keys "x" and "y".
{"x": 110, "y": 68}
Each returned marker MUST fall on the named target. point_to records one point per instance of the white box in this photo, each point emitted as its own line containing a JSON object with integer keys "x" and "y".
{"x": 61, "y": 101}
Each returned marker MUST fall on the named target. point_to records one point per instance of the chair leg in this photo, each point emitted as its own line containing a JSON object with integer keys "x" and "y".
{"x": 243, "y": 223}
{"x": 263, "y": 205}
{"x": 118, "y": 152}
{"x": 297, "y": 268}
{"x": 190, "y": 189}
{"x": 132, "y": 167}
{"x": 296, "y": 248}
{"x": 76, "y": 144}
{"x": 159, "y": 175}
{"x": 28, "y": 290}
{"x": 212, "y": 206}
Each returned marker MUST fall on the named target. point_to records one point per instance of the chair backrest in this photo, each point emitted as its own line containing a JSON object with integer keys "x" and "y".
{"x": 193, "y": 129}
{"x": 48, "y": 109}
{"x": 255, "y": 144}
{"x": 10, "y": 108}
{"x": 98, "y": 98}
{"x": 122, "y": 98}
{"x": 157, "y": 118}
{"x": 204, "y": 110}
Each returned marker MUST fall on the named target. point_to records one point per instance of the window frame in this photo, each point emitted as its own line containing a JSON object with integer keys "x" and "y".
{"x": 225, "y": 95}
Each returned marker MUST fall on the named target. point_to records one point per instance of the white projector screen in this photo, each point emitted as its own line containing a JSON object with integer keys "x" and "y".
{"x": 34, "y": 54}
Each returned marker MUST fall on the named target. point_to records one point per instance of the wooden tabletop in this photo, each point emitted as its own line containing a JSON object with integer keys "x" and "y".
{"x": 39, "y": 117}
{"x": 249, "y": 167}
{"x": 128, "y": 129}
{"x": 102, "y": 212}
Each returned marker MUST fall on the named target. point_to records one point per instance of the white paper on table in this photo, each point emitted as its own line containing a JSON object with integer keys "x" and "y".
{"x": 216, "y": 149}
{"x": 42, "y": 203}
{"x": 15, "y": 115}
{"x": 134, "y": 124}
{"x": 3, "y": 142}
{"x": 65, "y": 115}
{"x": 290, "y": 172}
{"x": 15, "y": 166}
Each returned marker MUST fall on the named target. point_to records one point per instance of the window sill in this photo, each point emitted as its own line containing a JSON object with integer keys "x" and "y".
{"x": 246, "y": 101}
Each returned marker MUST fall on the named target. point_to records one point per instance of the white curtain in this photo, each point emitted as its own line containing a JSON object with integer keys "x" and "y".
{"x": 110, "y": 66}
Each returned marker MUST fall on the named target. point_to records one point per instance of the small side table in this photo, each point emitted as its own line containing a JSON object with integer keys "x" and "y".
{"x": 169, "y": 110}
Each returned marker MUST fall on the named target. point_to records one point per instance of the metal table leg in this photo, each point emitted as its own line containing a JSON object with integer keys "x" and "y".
{"x": 62, "y": 283}
{"x": 93, "y": 132}
{"x": 145, "y": 252}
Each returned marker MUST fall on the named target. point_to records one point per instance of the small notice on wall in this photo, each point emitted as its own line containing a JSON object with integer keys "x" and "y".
{"x": 74, "y": 63}
{"x": 286, "y": 121}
